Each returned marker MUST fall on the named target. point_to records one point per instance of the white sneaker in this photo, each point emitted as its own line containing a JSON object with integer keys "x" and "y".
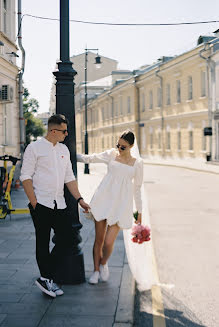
{"x": 56, "y": 289}
{"x": 104, "y": 272}
{"x": 94, "y": 278}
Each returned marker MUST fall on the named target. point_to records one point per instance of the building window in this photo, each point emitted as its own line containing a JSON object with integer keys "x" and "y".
{"x": 168, "y": 94}
{"x": 190, "y": 88}
{"x": 190, "y": 140}
{"x": 178, "y": 92}
{"x": 203, "y": 84}
{"x": 88, "y": 117}
{"x": 168, "y": 144}
{"x": 121, "y": 106}
{"x": 159, "y": 140}
{"x": 7, "y": 130}
{"x": 158, "y": 97}
{"x": 103, "y": 143}
{"x": 103, "y": 114}
{"x": 151, "y": 100}
{"x": 1, "y": 49}
{"x": 204, "y": 142}
{"x": 116, "y": 109}
{"x": 151, "y": 141}
{"x": 179, "y": 140}
{"x": 129, "y": 105}
{"x": 4, "y": 16}
{"x": 97, "y": 115}
{"x": 92, "y": 117}
{"x": 143, "y": 102}
{"x": 111, "y": 109}
{"x": 106, "y": 112}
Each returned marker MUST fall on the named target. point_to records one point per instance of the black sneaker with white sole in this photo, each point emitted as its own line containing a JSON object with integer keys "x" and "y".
{"x": 56, "y": 289}
{"x": 46, "y": 286}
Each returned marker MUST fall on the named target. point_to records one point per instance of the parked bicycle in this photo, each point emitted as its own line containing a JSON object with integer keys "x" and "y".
{"x": 6, "y": 179}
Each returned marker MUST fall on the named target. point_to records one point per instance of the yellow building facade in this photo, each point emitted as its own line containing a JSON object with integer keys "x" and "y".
{"x": 165, "y": 105}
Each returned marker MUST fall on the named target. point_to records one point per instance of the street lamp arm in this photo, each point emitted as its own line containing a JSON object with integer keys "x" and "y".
{"x": 91, "y": 50}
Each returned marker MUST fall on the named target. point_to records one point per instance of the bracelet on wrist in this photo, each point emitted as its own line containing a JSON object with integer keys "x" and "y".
{"x": 79, "y": 199}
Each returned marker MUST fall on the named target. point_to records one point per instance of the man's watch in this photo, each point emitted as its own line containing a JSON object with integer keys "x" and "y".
{"x": 79, "y": 199}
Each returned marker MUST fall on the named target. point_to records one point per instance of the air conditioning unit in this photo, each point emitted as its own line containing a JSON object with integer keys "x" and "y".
{"x": 6, "y": 93}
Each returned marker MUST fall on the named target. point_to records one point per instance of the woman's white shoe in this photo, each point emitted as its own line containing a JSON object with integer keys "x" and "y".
{"x": 94, "y": 278}
{"x": 104, "y": 272}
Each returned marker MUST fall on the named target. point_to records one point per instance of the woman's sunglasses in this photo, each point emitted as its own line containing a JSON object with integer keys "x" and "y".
{"x": 121, "y": 147}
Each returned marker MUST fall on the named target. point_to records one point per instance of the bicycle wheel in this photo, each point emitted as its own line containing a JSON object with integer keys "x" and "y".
{"x": 3, "y": 211}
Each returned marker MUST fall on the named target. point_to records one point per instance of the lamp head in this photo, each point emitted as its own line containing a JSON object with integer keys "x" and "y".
{"x": 98, "y": 61}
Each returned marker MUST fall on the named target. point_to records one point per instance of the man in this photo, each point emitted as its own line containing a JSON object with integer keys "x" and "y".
{"x": 46, "y": 168}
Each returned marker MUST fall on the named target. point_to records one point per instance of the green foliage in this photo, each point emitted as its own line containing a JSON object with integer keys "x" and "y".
{"x": 135, "y": 215}
{"x": 34, "y": 126}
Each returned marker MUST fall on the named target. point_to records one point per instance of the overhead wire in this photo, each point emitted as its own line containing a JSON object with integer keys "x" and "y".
{"x": 124, "y": 24}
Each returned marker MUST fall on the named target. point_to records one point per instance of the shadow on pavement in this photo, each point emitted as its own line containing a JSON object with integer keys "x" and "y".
{"x": 173, "y": 317}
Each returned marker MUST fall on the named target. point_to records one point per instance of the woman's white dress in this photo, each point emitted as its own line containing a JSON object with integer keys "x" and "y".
{"x": 113, "y": 199}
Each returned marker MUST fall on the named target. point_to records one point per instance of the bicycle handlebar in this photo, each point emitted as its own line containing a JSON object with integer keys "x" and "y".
{"x": 9, "y": 158}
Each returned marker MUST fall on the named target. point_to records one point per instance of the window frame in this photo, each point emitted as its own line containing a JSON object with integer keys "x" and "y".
{"x": 178, "y": 91}
{"x": 190, "y": 88}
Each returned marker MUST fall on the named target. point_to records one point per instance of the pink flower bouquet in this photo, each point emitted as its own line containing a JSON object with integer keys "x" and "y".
{"x": 140, "y": 233}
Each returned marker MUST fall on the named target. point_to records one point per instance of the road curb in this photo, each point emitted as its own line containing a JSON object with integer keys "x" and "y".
{"x": 180, "y": 166}
{"x": 125, "y": 307}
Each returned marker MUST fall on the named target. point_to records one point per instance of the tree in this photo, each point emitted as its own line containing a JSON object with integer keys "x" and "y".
{"x": 34, "y": 126}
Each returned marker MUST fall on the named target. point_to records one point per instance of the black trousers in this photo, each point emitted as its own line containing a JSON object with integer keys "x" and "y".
{"x": 44, "y": 220}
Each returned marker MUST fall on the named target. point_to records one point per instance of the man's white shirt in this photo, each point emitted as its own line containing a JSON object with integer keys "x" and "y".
{"x": 49, "y": 167}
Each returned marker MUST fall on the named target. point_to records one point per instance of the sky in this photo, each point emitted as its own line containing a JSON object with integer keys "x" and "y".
{"x": 132, "y": 47}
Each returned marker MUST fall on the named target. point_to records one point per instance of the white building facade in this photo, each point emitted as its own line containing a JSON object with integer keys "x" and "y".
{"x": 93, "y": 73}
{"x": 215, "y": 97}
{"x": 9, "y": 109}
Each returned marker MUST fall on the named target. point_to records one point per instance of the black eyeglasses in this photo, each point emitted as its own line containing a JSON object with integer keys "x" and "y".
{"x": 60, "y": 130}
{"x": 121, "y": 147}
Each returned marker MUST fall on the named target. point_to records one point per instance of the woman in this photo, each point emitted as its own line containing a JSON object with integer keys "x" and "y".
{"x": 112, "y": 203}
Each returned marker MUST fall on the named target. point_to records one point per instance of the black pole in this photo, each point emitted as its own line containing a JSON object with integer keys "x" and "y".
{"x": 86, "y": 166}
{"x": 70, "y": 265}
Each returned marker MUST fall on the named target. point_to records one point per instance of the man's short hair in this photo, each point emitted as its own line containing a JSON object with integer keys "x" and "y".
{"x": 57, "y": 120}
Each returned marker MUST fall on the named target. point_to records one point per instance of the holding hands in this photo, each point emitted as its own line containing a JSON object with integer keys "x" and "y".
{"x": 84, "y": 205}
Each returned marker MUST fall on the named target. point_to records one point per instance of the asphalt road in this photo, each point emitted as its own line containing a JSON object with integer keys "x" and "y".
{"x": 184, "y": 213}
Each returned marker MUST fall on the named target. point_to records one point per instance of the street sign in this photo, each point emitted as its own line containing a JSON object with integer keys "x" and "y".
{"x": 207, "y": 131}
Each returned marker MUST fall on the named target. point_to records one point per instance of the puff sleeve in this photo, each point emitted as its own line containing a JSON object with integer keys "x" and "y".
{"x": 103, "y": 157}
{"x": 138, "y": 180}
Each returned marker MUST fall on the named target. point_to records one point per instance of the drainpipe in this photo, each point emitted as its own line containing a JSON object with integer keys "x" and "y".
{"x": 20, "y": 83}
{"x": 208, "y": 66}
{"x": 161, "y": 108}
{"x": 138, "y": 113}
{"x": 112, "y": 107}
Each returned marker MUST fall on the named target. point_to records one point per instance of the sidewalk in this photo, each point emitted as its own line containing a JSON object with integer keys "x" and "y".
{"x": 22, "y": 304}
{"x": 192, "y": 164}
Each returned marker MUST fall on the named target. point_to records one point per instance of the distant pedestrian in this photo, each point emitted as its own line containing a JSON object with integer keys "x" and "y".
{"x": 112, "y": 203}
{"x": 46, "y": 168}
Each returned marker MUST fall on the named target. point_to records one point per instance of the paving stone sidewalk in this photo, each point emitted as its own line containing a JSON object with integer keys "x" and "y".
{"x": 23, "y": 305}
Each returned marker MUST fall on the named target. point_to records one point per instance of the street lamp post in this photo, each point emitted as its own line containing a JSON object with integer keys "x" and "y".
{"x": 97, "y": 62}
{"x": 70, "y": 268}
